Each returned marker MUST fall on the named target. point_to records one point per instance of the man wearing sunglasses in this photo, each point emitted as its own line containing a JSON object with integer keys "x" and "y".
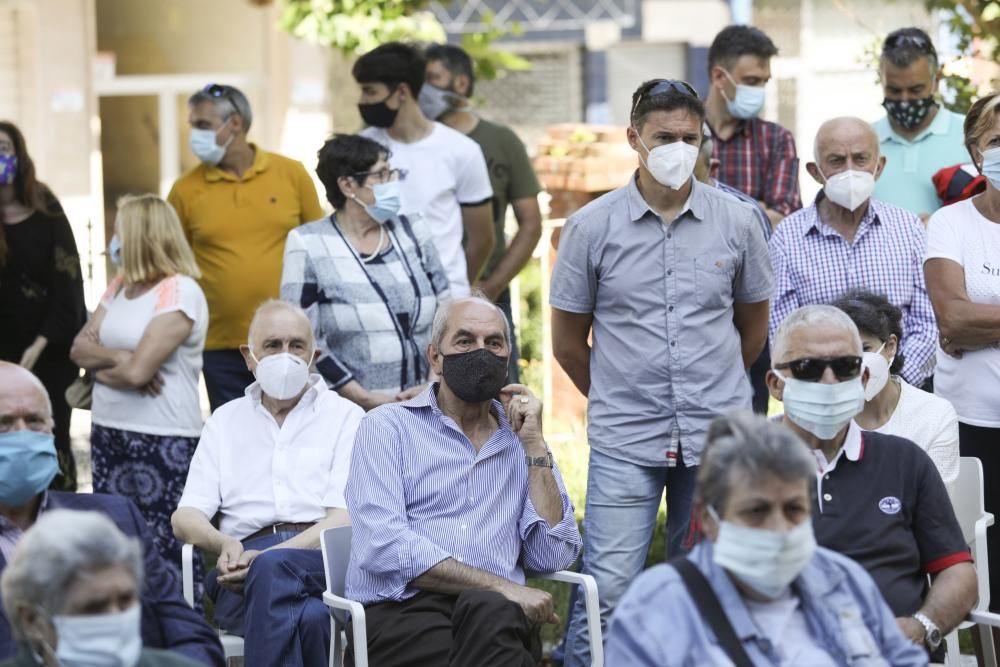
{"x": 236, "y": 207}
{"x": 918, "y": 136}
{"x": 672, "y": 276}
{"x": 879, "y": 499}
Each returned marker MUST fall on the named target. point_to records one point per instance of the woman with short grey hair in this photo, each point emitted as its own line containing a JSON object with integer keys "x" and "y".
{"x": 757, "y": 590}
{"x": 71, "y": 595}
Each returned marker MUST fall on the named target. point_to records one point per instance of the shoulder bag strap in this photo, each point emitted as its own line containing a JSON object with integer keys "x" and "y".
{"x": 711, "y": 611}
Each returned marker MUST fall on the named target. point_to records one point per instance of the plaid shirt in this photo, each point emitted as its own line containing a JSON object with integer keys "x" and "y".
{"x": 760, "y": 160}
{"x": 813, "y": 263}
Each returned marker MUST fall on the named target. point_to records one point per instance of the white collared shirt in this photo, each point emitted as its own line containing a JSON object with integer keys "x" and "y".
{"x": 852, "y": 449}
{"x": 256, "y": 474}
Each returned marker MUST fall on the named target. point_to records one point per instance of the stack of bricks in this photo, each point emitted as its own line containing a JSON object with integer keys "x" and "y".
{"x": 578, "y": 163}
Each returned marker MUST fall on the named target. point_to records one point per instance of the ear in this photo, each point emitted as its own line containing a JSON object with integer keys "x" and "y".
{"x": 347, "y": 186}
{"x": 633, "y": 139}
{"x": 865, "y": 376}
{"x": 813, "y": 170}
{"x": 404, "y": 92}
{"x": 316, "y": 353}
{"x": 717, "y": 75}
{"x": 881, "y": 166}
{"x": 461, "y": 85}
{"x": 434, "y": 358}
{"x": 247, "y": 359}
{"x": 713, "y": 168}
{"x": 709, "y": 526}
{"x": 237, "y": 124}
{"x": 33, "y": 624}
{"x": 775, "y": 385}
{"x": 892, "y": 345}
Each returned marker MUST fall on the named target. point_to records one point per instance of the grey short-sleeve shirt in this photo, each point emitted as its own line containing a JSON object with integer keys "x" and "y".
{"x": 666, "y": 353}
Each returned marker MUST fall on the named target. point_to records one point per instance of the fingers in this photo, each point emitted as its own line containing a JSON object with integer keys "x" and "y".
{"x": 246, "y": 558}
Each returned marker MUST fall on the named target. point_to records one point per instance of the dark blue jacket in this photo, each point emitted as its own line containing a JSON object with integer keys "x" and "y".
{"x": 167, "y": 620}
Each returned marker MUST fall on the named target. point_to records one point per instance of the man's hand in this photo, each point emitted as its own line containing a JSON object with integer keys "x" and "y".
{"x": 235, "y": 579}
{"x": 537, "y": 604}
{"x": 524, "y": 412}
{"x": 31, "y": 353}
{"x": 232, "y": 549}
{"x": 491, "y": 289}
{"x": 412, "y": 392}
{"x": 912, "y": 629}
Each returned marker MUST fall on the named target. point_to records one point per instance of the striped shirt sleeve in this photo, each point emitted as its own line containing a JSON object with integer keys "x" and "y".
{"x": 549, "y": 548}
{"x": 920, "y": 335}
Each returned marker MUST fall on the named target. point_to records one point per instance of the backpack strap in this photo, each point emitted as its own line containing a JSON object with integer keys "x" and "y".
{"x": 711, "y": 611}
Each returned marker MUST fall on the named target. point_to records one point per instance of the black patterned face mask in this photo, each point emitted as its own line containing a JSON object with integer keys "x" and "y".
{"x": 909, "y": 113}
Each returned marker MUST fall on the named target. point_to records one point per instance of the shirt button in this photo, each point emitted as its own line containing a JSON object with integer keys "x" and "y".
{"x": 670, "y": 309}
{"x": 672, "y": 343}
{"x": 827, "y": 477}
{"x": 669, "y": 235}
{"x": 670, "y": 272}
{"x": 826, "y": 496}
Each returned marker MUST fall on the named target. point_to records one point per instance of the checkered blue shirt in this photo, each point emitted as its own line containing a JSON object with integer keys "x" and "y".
{"x": 813, "y": 263}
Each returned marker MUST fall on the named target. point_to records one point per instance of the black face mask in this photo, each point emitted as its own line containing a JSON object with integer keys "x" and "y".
{"x": 378, "y": 114}
{"x": 909, "y": 113}
{"x": 475, "y": 376}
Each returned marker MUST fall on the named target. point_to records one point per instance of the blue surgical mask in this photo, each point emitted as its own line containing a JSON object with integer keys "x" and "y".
{"x": 115, "y": 251}
{"x": 204, "y": 146}
{"x": 822, "y": 409}
{"x": 99, "y": 640}
{"x": 8, "y": 169}
{"x": 991, "y": 166}
{"x": 388, "y": 201}
{"x": 28, "y": 464}
{"x": 748, "y": 101}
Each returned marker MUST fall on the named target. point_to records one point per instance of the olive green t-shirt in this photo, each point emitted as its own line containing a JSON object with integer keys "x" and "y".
{"x": 511, "y": 176}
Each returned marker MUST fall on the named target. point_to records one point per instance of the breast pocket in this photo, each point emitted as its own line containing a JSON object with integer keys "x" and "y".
{"x": 714, "y": 274}
{"x": 858, "y": 642}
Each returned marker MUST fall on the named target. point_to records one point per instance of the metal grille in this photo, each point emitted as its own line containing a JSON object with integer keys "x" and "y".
{"x": 535, "y": 15}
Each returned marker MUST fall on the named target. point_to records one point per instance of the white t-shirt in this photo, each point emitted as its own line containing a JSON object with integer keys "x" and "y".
{"x": 960, "y": 233}
{"x": 931, "y": 422}
{"x": 256, "y": 473}
{"x": 445, "y": 170}
{"x": 783, "y": 622}
{"x": 176, "y": 411}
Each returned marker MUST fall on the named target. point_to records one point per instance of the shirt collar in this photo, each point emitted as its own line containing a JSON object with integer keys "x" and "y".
{"x": 853, "y": 449}
{"x": 8, "y": 525}
{"x": 814, "y": 222}
{"x": 638, "y": 208}
{"x": 939, "y": 126}
{"x": 317, "y": 385}
{"x": 261, "y": 161}
{"x": 428, "y": 399}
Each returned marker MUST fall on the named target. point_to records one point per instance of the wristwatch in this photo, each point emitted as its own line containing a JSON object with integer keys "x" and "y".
{"x": 540, "y": 461}
{"x": 932, "y": 634}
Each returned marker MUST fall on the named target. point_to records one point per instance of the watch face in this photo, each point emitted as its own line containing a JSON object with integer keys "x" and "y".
{"x": 934, "y": 637}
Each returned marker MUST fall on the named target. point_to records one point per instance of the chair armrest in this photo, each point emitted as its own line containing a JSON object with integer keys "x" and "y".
{"x": 589, "y": 586}
{"x": 985, "y": 618}
{"x": 187, "y": 573}
{"x": 359, "y": 637}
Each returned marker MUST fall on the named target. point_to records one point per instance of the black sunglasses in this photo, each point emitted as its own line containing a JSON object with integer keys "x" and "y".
{"x": 217, "y": 90}
{"x": 384, "y": 175}
{"x": 663, "y": 86}
{"x": 918, "y": 41}
{"x": 811, "y": 369}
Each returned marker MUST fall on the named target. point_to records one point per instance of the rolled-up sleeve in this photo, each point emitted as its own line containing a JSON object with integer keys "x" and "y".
{"x": 203, "y": 490}
{"x": 548, "y": 548}
{"x": 341, "y": 463}
{"x": 385, "y": 552}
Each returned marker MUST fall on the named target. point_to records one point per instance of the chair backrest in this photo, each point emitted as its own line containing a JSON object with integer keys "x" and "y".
{"x": 336, "y": 546}
{"x": 967, "y": 496}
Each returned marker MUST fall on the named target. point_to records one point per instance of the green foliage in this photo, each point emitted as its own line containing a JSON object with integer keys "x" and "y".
{"x": 358, "y": 26}
{"x": 976, "y": 24}
{"x": 529, "y": 333}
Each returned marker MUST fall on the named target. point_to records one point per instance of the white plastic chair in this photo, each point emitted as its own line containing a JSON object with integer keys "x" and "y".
{"x": 232, "y": 645}
{"x": 967, "y": 501}
{"x": 336, "y": 544}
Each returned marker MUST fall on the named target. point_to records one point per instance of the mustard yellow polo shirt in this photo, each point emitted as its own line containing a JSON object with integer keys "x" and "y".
{"x": 237, "y": 229}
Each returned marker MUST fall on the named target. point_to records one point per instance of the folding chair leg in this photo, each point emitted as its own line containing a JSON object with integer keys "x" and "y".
{"x": 953, "y": 658}
{"x": 986, "y": 641}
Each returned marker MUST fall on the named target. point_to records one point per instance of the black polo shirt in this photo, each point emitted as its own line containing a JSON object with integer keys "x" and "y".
{"x": 885, "y": 506}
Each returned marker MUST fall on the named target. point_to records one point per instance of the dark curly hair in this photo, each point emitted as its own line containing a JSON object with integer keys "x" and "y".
{"x": 875, "y": 316}
{"x": 346, "y": 155}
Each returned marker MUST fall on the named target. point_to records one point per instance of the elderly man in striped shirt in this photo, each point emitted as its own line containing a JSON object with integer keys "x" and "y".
{"x": 453, "y": 495}
{"x": 846, "y": 241}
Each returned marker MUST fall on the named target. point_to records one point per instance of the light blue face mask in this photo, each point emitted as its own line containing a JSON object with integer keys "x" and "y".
{"x": 822, "y": 409}
{"x": 28, "y": 464}
{"x": 991, "y": 166}
{"x": 388, "y": 201}
{"x": 204, "y": 146}
{"x": 99, "y": 640}
{"x": 115, "y": 251}
{"x": 748, "y": 101}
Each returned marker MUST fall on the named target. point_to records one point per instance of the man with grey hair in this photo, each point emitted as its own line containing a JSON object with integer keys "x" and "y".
{"x": 846, "y": 240}
{"x": 453, "y": 495}
{"x": 27, "y": 465}
{"x": 72, "y": 594}
{"x": 272, "y": 466}
{"x": 918, "y": 136}
{"x": 236, "y": 207}
{"x": 786, "y": 600}
{"x": 879, "y": 499}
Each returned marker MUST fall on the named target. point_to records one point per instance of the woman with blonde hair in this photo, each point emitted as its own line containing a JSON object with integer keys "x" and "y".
{"x": 144, "y": 344}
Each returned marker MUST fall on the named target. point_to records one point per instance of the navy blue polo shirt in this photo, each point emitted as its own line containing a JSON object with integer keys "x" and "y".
{"x": 885, "y": 506}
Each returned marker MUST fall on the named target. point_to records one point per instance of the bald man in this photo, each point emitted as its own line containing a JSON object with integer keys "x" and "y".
{"x": 272, "y": 466}
{"x": 27, "y": 465}
{"x": 847, "y": 241}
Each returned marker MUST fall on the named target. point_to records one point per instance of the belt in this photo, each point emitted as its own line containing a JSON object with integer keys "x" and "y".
{"x": 280, "y": 528}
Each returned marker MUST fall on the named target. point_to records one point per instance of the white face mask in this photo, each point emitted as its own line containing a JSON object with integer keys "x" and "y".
{"x": 765, "y": 560}
{"x": 849, "y": 189}
{"x": 670, "y": 164}
{"x": 104, "y": 640}
{"x": 878, "y": 372}
{"x": 822, "y": 409}
{"x": 205, "y": 148}
{"x": 281, "y": 376}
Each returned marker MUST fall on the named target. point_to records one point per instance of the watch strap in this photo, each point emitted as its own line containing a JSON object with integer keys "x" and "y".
{"x": 932, "y": 633}
{"x": 539, "y": 461}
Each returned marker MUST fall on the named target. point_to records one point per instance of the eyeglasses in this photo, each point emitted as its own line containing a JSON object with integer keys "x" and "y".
{"x": 896, "y": 41}
{"x": 663, "y": 86}
{"x": 383, "y": 175}
{"x": 811, "y": 369}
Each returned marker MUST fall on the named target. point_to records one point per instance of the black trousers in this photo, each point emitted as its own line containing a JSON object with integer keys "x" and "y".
{"x": 475, "y": 629}
{"x": 984, "y": 444}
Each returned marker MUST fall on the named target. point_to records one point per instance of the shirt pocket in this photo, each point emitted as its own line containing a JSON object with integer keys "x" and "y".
{"x": 713, "y": 273}
{"x": 858, "y": 643}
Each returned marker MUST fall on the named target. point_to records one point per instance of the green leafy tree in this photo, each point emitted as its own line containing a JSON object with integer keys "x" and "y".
{"x": 976, "y": 24}
{"x": 358, "y": 26}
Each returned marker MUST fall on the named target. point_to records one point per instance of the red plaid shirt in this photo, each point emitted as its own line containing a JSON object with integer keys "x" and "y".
{"x": 760, "y": 160}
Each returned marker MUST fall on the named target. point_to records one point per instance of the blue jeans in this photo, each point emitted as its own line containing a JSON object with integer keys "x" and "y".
{"x": 622, "y": 502}
{"x": 280, "y": 614}
{"x": 226, "y": 376}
